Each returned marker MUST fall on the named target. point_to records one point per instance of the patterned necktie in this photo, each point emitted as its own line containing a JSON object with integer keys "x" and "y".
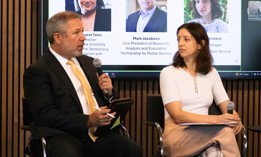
{"x": 88, "y": 94}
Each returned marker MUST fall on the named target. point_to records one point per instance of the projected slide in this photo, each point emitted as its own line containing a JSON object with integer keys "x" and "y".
{"x": 119, "y": 42}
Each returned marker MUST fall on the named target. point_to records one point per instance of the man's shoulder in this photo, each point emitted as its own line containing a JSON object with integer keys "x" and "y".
{"x": 86, "y": 57}
{"x": 86, "y": 60}
{"x": 136, "y": 13}
{"x": 42, "y": 62}
{"x": 159, "y": 11}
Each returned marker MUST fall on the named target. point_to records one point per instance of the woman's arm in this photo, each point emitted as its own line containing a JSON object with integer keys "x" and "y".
{"x": 223, "y": 108}
{"x": 180, "y": 116}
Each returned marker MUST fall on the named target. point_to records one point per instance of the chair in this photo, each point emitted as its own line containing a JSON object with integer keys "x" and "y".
{"x": 27, "y": 119}
{"x": 214, "y": 110}
{"x": 155, "y": 118}
{"x": 254, "y": 129}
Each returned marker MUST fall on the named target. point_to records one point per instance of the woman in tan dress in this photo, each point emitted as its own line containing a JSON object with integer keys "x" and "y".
{"x": 188, "y": 87}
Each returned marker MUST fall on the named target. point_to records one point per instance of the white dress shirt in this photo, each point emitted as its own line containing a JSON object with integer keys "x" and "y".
{"x": 75, "y": 81}
{"x": 144, "y": 19}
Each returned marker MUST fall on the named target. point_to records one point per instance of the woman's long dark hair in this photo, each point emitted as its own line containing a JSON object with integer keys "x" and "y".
{"x": 204, "y": 58}
{"x": 216, "y": 11}
{"x": 100, "y": 4}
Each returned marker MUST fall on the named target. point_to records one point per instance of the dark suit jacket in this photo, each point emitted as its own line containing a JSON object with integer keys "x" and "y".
{"x": 157, "y": 22}
{"x": 102, "y": 20}
{"x": 52, "y": 99}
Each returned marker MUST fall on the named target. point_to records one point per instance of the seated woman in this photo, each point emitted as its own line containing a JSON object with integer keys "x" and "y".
{"x": 188, "y": 87}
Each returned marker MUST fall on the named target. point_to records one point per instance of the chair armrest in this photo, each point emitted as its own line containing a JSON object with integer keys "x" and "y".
{"x": 25, "y": 128}
{"x": 43, "y": 140}
{"x": 44, "y": 146}
{"x": 244, "y": 135}
{"x": 159, "y": 129}
{"x": 124, "y": 130}
{"x": 254, "y": 128}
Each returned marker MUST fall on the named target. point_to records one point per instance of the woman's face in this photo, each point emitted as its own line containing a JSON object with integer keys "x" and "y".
{"x": 87, "y": 5}
{"x": 203, "y": 7}
{"x": 188, "y": 47}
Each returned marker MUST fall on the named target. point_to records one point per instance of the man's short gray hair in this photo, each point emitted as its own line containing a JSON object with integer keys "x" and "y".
{"x": 57, "y": 23}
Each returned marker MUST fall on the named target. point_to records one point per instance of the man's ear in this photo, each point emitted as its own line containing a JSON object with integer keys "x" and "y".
{"x": 57, "y": 38}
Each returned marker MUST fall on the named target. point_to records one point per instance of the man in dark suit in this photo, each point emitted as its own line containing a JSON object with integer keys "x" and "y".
{"x": 148, "y": 19}
{"x": 56, "y": 99}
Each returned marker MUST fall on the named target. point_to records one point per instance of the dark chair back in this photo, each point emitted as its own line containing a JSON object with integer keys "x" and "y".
{"x": 155, "y": 118}
{"x": 27, "y": 117}
{"x": 155, "y": 109}
{"x": 214, "y": 110}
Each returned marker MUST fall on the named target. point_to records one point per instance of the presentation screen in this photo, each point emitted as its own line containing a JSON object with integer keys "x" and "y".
{"x": 136, "y": 44}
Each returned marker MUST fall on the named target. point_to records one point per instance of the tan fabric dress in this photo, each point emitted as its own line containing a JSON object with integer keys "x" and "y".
{"x": 185, "y": 141}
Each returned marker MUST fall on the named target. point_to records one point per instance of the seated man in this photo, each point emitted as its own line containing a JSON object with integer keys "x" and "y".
{"x": 62, "y": 90}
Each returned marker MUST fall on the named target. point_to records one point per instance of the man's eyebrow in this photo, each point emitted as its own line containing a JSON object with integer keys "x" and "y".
{"x": 77, "y": 29}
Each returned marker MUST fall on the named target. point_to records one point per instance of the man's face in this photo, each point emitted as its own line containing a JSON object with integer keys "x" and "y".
{"x": 146, "y": 5}
{"x": 72, "y": 41}
{"x": 87, "y": 5}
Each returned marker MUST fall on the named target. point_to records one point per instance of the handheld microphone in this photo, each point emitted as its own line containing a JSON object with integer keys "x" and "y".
{"x": 230, "y": 107}
{"x": 97, "y": 64}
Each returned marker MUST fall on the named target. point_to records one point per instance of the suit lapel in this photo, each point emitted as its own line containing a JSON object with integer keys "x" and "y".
{"x": 153, "y": 21}
{"x": 59, "y": 71}
{"x": 87, "y": 72}
{"x": 90, "y": 73}
{"x": 135, "y": 20}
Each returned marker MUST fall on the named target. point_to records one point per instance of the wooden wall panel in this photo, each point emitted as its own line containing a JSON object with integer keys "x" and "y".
{"x": 18, "y": 50}
{"x": 3, "y": 72}
{"x": 18, "y": 44}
